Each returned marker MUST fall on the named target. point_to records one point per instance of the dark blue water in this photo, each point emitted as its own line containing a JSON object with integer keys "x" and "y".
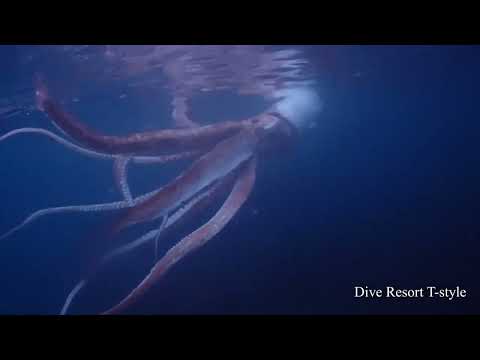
{"x": 383, "y": 192}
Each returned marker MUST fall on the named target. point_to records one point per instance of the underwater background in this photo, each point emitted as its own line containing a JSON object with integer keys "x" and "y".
{"x": 382, "y": 191}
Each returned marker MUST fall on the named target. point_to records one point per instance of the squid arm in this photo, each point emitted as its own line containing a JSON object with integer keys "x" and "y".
{"x": 224, "y": 159}
{"x": 150, "y": 143}
{"x": 177, "y": 219}
{"x": 120, "y": 175}
{"x": 239, "y": 194}
{"x": 159, "y": 159}
{"x": 112, "y": 206}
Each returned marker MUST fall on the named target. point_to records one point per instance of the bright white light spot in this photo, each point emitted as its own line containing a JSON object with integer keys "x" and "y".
{"x": 300, "y": 105}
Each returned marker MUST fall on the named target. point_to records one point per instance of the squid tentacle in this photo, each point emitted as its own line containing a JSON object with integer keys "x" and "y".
{"x": 150, "y": 143}
{"x": 58, "y": 139}
{"x": 224, "y": 159}
{"x": 120, "y": 174}
{"x": 160, "y": 159}
{"x": 157, "y": 236}
{"x": 239, "y": 194}
{"x": 189, "y": 208}
{"x": 72, "y": 295}
{"x": 90, "y": 208}
{"x": 117, "y": 205}
{"x": 196, "y": 203}
{"x": 129, "y": 201}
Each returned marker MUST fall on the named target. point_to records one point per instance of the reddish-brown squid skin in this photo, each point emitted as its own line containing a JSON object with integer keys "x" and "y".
{"x": 239, "y": 194}
{"x": 223, "y": 162}
{"x": 221, "y": 145}
{"x": 159, "y": 142}
{"x": 216, "y": 193}
{"x": 202, "y": 168}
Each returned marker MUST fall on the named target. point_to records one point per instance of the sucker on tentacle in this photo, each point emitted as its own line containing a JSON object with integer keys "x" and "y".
{"x": 120, "y": 174}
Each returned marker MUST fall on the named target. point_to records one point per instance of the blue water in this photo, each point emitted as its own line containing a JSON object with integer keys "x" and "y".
{"x": 384, "y": 191}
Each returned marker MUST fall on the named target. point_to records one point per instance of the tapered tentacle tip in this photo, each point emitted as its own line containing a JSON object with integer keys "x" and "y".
{"x": 8, "y": 233}
{"x": 71, "y": 296}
